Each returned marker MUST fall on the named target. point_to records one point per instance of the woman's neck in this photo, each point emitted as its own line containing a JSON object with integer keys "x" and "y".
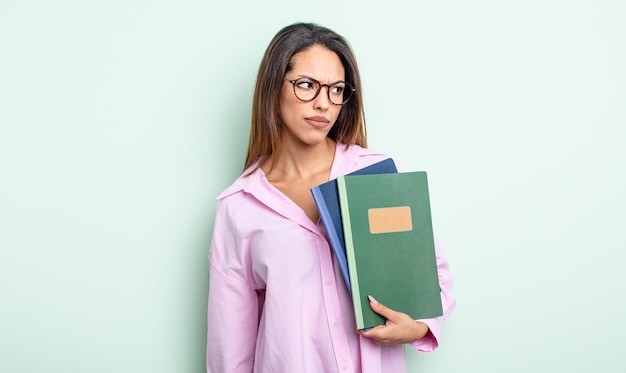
{"x": 297, "y": 162}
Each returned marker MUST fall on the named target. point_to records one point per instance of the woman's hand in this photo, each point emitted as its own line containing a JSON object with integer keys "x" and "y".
{"x": 400, "y": 328}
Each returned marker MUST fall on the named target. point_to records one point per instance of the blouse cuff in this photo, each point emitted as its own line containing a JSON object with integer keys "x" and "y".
{"x": 431, "y": 340}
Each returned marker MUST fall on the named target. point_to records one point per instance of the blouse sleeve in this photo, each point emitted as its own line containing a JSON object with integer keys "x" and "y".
{"x": 233, "y": 305}
{"x": 430, "y": 342}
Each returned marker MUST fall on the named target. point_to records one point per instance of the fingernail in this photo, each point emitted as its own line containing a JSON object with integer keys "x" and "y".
{"x": 372, "y": 300}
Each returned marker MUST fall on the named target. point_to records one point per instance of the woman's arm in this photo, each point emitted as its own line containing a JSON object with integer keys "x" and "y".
{"x": 421, "y": 334}
{"x": 233, "y": 318}
{"x": 233, "y": 304}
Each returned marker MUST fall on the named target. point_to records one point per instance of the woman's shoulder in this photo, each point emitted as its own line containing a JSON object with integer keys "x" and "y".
{"x": 241, "y": 183}
{"x": 355, "y": 156}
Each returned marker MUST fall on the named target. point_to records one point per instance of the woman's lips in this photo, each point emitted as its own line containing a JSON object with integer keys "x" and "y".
{"x": 319, "y": 122}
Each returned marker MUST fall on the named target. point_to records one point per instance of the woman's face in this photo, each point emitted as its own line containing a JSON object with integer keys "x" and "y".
{"x": 308, "y": 123}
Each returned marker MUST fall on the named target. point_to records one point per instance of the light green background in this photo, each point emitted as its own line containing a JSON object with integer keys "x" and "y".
{"x": 121, "y": 121}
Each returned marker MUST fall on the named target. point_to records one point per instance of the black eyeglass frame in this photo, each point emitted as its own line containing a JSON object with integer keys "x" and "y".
{"x": 348, "y": 88}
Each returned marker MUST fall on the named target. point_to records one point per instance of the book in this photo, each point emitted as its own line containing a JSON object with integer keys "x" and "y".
{"x": 390, "y": 245}
{"x": 326, "y": 199}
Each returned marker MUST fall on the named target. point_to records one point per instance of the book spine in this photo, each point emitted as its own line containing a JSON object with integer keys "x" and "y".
{"x": 347, "y": 233}
{"x": 333, "y": 238}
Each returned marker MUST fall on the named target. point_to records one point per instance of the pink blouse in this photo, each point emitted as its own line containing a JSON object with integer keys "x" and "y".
{"x": 277, "y": 302}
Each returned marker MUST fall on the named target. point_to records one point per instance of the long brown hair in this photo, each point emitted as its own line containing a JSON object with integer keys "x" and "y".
{"x": 266, "y": 121}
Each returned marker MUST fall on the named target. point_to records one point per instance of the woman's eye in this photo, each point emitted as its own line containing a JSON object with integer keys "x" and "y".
{"x": 306, "y": 85}
{"x": 337, "y": 90}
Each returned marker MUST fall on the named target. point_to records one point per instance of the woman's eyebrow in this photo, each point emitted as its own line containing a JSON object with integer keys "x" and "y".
{"x": 317, "y": 80}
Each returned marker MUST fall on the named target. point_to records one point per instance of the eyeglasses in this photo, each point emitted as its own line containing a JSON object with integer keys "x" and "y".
{"x": 306, "y": 89}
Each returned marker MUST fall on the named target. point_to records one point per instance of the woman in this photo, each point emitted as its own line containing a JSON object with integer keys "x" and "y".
{"x": 277, "y": 303}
